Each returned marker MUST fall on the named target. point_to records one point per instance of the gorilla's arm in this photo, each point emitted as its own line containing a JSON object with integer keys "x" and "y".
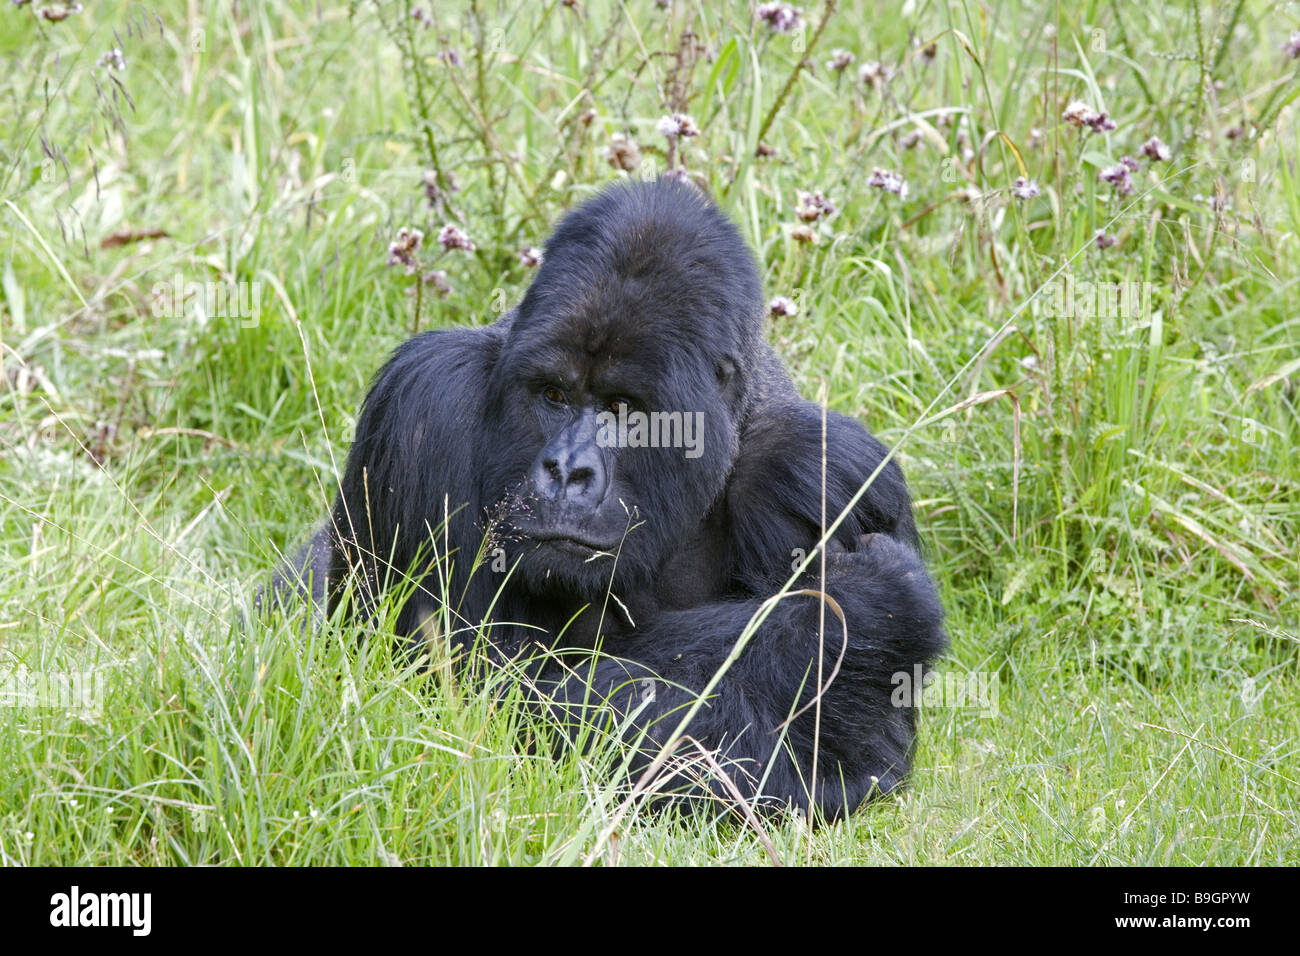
{"x": 894, "y": 624}
{"x": 415, "y": 444}
{"x": 774, "y": 497}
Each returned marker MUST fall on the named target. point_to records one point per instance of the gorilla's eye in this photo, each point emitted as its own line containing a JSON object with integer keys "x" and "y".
{"x": 555, "y": 395}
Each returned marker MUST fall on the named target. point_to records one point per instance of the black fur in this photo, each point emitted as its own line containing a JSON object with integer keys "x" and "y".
{"x": 648, "y": 293}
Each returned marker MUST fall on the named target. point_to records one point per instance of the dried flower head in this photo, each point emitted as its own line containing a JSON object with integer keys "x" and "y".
{"x": 803, "y": 234}
{"x": 450, "y": 57}
{"x": 1156, "y": 150}
{"x": 890, "y": 182}
{"x": 782, "y": 307}
{"x": 1104, "y": 240}
{"x": 1101, "y": 123}
{"x": 623, "y": 153}
{"x": 58, "y": 11}
{"x": 679, "y": 124}
{"x": 910, "y": 139}
{"x": 1076, "y": 113}
{"x": 780, "y": 17}
{"x": 530, "y": 257}
{"x": 404, "y": 247}
{"x": 438, "y": 279}
{"x": 1079, "y": 113}
{"x": 679, "y": 174}
{"x": 874, "y": 73}
{"x": 1036, "y": 138}
{"x": 764, "y": 151}
{"x": 113, "y": 59}
{"x": 1119, "y": 176}
{"x": 1292, "y": 46}
{"x": 813, "y": 205}
{"x": 1024, "y": 188}
{"x": 840, "y": 61}
{"x": 452, "y": 237}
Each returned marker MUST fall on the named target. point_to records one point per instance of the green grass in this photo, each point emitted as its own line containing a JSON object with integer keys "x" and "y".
{"x": 1111, "y": 504}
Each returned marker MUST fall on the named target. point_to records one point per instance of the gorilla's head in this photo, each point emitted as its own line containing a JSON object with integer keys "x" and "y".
{"x": 622, "y": 384}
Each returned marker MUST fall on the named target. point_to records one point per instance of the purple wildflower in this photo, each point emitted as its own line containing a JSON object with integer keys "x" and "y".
{"x": 1080, "y": 114}
{"x": 1101, "y": 123}
{"x": 782, "y": 307}
{"x": 679, "y": 124}
{"x": 813, "y": 205}
{"x": 890, "y": 182}
{"x": 874, "y": 73}
{"x": 1024, "y": 188}
{"x": 679, "y": 174}
{"x": 452, "y": 237}
{"x": 1076, "y": 112}
{"x": 402, "y": 250}
{"x": 1156, "y": 150}
{"x": 780, "y": 17}
{"x": 840, "y": 61}
{"x": 1118, "y": 176}
{"x": 438, "y": 279}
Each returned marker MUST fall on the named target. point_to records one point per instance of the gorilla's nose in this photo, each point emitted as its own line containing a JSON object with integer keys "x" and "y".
{"x": 572, "y": 473}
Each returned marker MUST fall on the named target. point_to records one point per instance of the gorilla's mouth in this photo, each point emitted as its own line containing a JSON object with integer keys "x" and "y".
{"x": 571, "y": 540}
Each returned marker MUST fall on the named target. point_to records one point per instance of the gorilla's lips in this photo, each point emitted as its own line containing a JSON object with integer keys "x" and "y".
{"x": 568, "y": 539}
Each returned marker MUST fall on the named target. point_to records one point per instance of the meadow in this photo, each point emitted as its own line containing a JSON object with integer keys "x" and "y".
{"x": 1057, "y": 266}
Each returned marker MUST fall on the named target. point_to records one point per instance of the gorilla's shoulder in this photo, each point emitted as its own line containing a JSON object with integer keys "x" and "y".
{"x": 425, "y": 400}
{"x": 448, "y": 350}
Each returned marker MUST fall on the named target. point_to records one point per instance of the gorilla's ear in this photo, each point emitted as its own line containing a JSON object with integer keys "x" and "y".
{"x": 726, "y": 370}
{"x": 729, "y": 380}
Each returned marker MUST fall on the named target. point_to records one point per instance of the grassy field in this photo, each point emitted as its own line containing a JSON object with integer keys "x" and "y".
{"x": 1109, "y": 495}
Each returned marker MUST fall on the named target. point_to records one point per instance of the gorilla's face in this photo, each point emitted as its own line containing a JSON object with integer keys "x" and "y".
{"x": 620, "y": 387}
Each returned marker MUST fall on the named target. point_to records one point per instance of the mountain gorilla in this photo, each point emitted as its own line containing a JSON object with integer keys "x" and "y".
{"x": 622, "y": 463}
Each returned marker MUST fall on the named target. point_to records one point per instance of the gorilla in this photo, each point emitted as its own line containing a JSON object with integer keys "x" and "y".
{"x": 620, "y": 468}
